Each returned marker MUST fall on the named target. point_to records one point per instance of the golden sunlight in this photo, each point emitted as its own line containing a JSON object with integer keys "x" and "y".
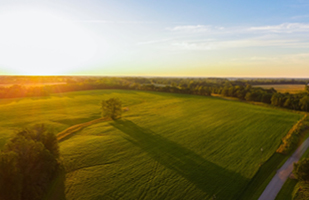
{"x": 38, "y": 42}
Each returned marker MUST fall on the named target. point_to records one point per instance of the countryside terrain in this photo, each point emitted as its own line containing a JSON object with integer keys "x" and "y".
{"x": 290, "y": 88}
{"x": 165, "y": 146}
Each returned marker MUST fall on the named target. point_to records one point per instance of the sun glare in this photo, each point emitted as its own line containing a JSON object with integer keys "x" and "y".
{"x": 37, "y": 42}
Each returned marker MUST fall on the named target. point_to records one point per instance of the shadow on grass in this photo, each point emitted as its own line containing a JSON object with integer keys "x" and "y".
{"x": 261, "y": 179}
{"x": 207, "y": 176}
{"x": 57, "y": 187}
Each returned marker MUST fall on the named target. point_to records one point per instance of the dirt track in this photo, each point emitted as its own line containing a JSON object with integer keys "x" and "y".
{"x": 69, "y": 131}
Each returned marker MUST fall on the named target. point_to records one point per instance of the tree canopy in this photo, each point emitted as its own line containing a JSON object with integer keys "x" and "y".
{"x": 301, "y": 169}
{"x": 111, "y": 108}
{"x": 28, "y": 163}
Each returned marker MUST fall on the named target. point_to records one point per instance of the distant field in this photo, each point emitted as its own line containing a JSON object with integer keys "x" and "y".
{"x": 291, "y": 88}
{"x": 167, "y": 146}
{"x": 32, "y": 84}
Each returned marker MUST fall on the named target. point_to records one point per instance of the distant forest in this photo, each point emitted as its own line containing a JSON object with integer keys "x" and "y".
{"x": 33, "y": 86}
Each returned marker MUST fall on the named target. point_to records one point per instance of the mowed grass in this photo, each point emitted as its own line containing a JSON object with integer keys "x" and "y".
{"x": 166, "y": 146}
{"x": 291, "y": 88}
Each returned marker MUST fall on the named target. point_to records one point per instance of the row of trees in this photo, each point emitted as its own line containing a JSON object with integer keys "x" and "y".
{"x": 241, "y": 91}
{"x": 197, "y": 86}
{"x": 301, "y": 172}
{"x": 28, "y": 164}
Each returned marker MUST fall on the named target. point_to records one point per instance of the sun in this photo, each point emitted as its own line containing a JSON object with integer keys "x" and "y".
{"x": 40, "y": 42}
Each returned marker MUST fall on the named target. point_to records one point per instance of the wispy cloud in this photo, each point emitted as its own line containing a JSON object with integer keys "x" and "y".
{"x": 300, "y": 17}
{"x": 283, "y": 28}
{"x": 115, "y": 22}
{"x": 227, "y": 44}
{"x": 195, "y": 28}
{"x": 150, "y": 42}
{"x": 207, "y": 37}
{"x": 280, "y": 28}
{"x": 297, "y": 59}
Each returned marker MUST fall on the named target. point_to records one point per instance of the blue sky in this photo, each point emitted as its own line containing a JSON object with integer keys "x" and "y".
{"x": 155, "y": 38}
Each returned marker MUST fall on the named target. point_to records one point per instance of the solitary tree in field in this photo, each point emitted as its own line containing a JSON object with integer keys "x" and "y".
{"x": 301, "y": 170}
{"x": 111, "y": 108}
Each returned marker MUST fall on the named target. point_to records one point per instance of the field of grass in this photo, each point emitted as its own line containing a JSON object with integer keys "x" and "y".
{"x": 27, "y": 85}
{"x": 291, "y": 88}
{"x": 287, "y": 189}
{"x": 166, "y": 146}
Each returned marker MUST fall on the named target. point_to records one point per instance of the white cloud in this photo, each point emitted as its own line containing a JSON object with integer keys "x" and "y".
{"x": 280, "y": 28}
{"x": 242, "y": 43}
{"x": 150, "y": 42}
{"x": 193, "y": 45}
{"x": 283, "y": 28}
{"x": 296, "y": 59}
{"x": 196, "y": 37}
{"x": 300, "y": 17}
{"x": 195, "y": 28}
{"x": 114, "y": 22}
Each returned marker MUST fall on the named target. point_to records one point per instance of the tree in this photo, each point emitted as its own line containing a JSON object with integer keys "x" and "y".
{"x": 241, "y": 93}
{"x": 277, "y": 99}
{"x": 301, "y": 170}
{"x": 304, "y": 103}
{"x": 111, "y": 108}
{"x": 266, "y": 98}
{"x": 41, "y": 134}
{"x": 28, "y": 164}
{"x": 10, "y": 177}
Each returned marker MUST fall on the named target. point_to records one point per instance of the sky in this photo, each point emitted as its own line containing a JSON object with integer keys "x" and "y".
{"x": 196, "y": 38}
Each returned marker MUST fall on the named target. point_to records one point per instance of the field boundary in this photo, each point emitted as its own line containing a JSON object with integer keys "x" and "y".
{"x": 291, "y": 140}
{"x": 258, "y": 104}
{"x": 69, "y": 131}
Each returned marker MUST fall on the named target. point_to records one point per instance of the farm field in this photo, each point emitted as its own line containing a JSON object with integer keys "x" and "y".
{"x": 166, "y": 146}
{"x": 291, "y": 88}
{"x": 27, "y": 85}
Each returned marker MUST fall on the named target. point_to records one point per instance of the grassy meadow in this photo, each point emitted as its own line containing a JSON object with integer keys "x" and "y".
{"x": 290, "y": 88}
{"x": 166, "y": 146}
{"x": 27, "y": 85}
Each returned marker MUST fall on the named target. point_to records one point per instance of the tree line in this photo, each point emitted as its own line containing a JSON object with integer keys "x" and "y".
{"x": 239, "y": 88}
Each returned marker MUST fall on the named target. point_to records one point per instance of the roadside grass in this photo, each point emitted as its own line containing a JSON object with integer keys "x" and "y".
{"x": 291, "y": 88}
{"x": 287, "y": 189}
{"x": 262, "y": 178}
{"x": 167, "y": 146}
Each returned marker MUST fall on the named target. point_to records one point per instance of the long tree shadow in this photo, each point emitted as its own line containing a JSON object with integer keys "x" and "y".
{"x": 57, "y": 187}
{"x": 207, "y": 176}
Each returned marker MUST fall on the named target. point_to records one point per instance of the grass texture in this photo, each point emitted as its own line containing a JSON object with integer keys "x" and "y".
{"x": 290, "y": 88}
{"x": 166, "y": 146}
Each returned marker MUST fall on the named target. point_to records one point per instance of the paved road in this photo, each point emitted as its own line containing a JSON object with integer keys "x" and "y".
{"x": 283, "y": 173}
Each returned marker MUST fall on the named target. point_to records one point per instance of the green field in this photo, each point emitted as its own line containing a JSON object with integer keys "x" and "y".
{"x": 291, "y": 88}
{"x": 166, "y": 146}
